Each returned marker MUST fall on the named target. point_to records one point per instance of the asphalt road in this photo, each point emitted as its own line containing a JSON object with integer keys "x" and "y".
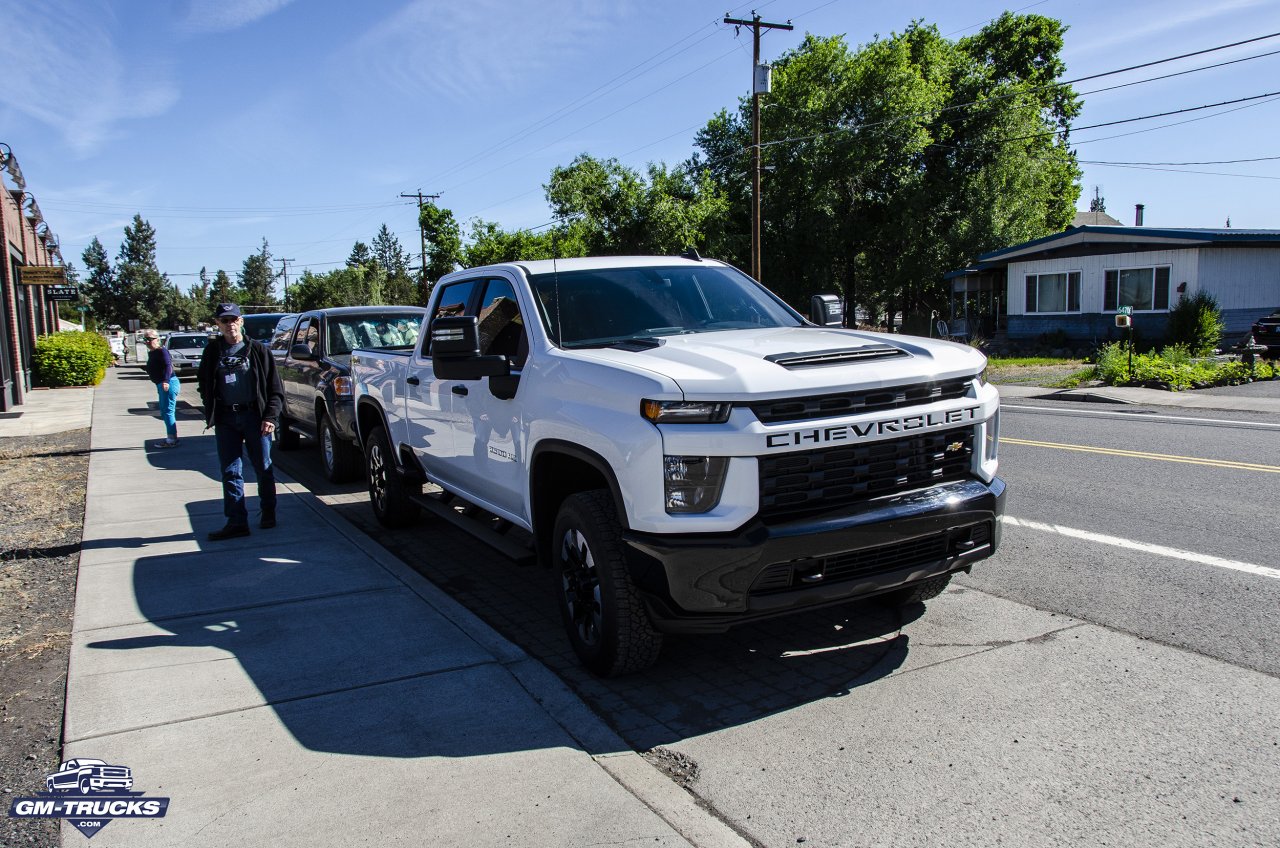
{"x": 1074, "y": 690}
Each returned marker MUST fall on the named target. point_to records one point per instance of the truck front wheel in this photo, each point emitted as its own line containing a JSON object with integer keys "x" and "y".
{"x": 918, "y": 593}
{"x": 603, "y": 614}
{"x": 388, "y": 493}
{"x": 341, "y": 458}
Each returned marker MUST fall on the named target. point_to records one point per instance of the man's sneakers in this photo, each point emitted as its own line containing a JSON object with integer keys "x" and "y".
{"x": 231, "y": 531}
{"x": 167, "y": 443}
{"x": 268, "y": 519}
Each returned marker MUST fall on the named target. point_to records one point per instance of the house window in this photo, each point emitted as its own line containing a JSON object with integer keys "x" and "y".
{"x": 1053, "y": 292}
{"x": 1139, "y": 288}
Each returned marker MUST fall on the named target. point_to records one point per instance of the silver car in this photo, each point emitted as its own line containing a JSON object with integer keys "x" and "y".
{"x": 185, "y": 349}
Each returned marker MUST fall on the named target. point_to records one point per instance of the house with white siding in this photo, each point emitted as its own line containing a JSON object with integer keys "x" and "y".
{"x": 1075, "y": 281}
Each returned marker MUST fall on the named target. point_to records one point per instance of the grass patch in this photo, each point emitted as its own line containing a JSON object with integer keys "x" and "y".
{"x": 1026, "y": 361}
{"x": 1073, "y": 381}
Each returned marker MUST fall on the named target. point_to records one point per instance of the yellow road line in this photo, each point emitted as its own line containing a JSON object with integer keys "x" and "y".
{"x": 1164, "y": 457}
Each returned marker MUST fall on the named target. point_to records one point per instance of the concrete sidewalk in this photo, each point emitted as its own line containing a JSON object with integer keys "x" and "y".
{"x": 303, "y": 687}
{"x": 1237, "y": 398}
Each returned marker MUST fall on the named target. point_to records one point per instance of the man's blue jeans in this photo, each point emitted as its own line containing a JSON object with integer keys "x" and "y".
{"x": 167, "y": 394}
{"x": 238, "y": 433}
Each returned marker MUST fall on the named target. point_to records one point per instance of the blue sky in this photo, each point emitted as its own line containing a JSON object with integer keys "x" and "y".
{"x": 224, "y": 122}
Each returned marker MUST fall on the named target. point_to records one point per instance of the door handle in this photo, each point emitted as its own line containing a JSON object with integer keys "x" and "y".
{"x": 413, "y": 381}
{"x": 459, "y": 390}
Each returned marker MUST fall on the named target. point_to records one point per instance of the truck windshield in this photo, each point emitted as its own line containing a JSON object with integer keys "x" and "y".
{"x": 375, "y": 331}
{"x": 606, "y": 306}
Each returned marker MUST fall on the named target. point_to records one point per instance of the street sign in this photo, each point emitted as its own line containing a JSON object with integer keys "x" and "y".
{"x": 42, "y": 275}
{"x": 61, "y": 292}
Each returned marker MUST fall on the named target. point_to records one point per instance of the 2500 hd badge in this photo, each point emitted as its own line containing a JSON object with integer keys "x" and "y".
{"x": 843, "y": 432}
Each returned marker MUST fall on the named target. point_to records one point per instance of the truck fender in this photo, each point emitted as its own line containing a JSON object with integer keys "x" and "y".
{"x": 548, "y": 487}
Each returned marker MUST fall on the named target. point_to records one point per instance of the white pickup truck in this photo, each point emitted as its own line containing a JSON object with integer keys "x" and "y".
{"x": 682, "y": 449}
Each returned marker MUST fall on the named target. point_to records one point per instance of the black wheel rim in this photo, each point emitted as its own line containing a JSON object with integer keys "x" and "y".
{"x": 580, "y": 581}
{"x": 377, "y": 478}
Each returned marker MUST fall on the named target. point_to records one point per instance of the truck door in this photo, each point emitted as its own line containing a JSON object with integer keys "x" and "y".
{"x": 298, "y": 376}
{"x": 489, "y": 430}
{"x": 429, "y": 402}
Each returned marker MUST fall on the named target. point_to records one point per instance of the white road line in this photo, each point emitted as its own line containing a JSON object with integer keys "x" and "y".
{"x": 1139, "y": 416}
{"x": 1158, "y": 550}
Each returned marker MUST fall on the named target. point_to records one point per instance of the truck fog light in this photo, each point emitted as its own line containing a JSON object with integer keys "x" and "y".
{"x": 693, "y": 483}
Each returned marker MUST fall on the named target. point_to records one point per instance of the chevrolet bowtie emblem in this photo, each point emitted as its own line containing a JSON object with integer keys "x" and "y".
{"x": 955, "y": 447}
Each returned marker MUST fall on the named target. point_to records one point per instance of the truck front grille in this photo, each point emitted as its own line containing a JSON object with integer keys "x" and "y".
{"x": 856, "y": 403}
{"x": 807, "y": 482}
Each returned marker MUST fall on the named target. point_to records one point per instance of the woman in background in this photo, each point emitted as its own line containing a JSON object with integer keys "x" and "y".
{"x": 160, "y": 370}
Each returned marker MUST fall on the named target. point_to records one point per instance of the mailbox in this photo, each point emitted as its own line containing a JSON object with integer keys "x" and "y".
{"x": 826, "y": 310}
{"x": 1124, "y": 321}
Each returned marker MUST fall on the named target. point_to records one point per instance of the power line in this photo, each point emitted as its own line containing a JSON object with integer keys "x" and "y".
{"x": 1207, "y": 162}
{"x": 1181, "y": 171}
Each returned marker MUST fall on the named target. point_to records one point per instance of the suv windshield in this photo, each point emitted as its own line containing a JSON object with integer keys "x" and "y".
{"x": 606, "y": 306}
{"x": 375, "y": 331}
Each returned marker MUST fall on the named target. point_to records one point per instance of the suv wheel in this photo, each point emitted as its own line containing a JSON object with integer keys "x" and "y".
{"x": 603, "y": 614}
{"x": 388, "y": 492}
{"x": 341, "y": 458}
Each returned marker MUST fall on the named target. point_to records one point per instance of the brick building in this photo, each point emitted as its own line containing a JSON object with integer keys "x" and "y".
{"x": 25, "y": 310}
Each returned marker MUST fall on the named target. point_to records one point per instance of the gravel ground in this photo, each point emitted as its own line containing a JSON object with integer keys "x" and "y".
{"x": 41, "y": 523}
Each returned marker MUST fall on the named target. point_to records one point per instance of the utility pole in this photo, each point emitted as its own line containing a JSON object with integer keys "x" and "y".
{"x": 422, "y": 199}
{"x": 284, "y": 272}
{"x": 758, "y": 87}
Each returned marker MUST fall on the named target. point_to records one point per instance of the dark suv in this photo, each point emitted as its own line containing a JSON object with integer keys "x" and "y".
{"x": 316, "y": 371}
{"x": 1266, "y": 331}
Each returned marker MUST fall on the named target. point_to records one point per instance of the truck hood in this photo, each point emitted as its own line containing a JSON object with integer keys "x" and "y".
{"x": 788, "y": 361}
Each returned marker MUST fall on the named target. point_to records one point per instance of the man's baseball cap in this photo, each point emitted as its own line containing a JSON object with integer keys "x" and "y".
{"x": 227, "y": 310}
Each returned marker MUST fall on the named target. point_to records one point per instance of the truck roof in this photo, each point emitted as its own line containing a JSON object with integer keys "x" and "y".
{"x": 588, "y": 263}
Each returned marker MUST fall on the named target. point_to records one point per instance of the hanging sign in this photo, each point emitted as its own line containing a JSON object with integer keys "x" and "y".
{"x": 42, "y": 275}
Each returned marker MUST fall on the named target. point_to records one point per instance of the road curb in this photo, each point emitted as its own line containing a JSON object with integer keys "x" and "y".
{"x": 608, "y": 750}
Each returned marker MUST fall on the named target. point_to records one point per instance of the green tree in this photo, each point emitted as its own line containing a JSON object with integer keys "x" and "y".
{"x": 107, "y": 300}
{"x": 444, "y": 244}
{"x": 389, "y": 254}
{"x": 222, "y": 291}
{"x": 361, "y": 256}
{"x": 257, "y": 279}
{"x": 895, "y": 163}
{"x": 147, "y": 289}
{"x": 356, "y": 285}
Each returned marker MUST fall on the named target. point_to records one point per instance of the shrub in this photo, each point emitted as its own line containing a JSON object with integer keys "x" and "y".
{"x": 1173, "y": 368}
{"x": 71, "y": 358}
{"x": 1196, "y": 322}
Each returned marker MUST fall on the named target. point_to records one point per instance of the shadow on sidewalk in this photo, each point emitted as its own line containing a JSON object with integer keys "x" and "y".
{"x": 349, "y": 659}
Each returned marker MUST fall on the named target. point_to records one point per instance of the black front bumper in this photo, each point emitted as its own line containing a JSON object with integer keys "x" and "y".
{"x": 700, "y": 583}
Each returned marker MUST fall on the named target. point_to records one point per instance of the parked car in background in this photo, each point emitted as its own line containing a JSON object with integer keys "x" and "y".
{"x": 262, "y": 325}
{"x": 1266, "y": 331}
{"x": 316, "y": 371}
{"x": 279, "y": 344}
{"x": 185, "y": 350}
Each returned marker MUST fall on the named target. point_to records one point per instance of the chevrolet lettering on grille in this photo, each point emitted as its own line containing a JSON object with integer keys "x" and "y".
{"x": 854, "y": 432}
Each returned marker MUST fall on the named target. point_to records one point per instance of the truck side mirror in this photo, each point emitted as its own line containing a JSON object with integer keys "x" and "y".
{"x": 826, "y": 310}
{"x": 301, "y": 352}
{"x": 455, "y": 350}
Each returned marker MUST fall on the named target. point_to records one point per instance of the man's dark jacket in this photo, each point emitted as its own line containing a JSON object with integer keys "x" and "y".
{"x": 268, "y": 391}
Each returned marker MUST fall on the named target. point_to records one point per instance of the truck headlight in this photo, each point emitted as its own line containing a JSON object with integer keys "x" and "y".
{"x": 684, "y": 412}
{"x": 693, "y": 483}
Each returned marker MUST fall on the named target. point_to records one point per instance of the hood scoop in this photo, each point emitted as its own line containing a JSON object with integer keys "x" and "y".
{"x": 841, "y": 356}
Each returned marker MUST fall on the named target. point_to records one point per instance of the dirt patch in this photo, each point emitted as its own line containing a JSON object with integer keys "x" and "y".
{"x": 41, "y": 522}
{"x": 675, "y": 765}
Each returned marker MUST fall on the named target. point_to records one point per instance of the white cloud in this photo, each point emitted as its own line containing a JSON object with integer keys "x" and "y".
{"x": 465, "y": 51}
{"x": 226, "y": 15}
{"x": 63, "y": 68}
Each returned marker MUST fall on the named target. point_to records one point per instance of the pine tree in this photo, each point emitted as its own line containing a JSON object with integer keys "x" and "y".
{"x": 257, "y": 279}
{"x": 360, "y": 256}
{"x": 389, "y": 254}
{"x": 101, "y": 287}
{"x": 148, "y": 291}
{"x": 222, "y": 292}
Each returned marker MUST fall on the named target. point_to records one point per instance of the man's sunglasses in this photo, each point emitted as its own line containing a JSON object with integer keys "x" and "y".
{"x": 229, "y": 319}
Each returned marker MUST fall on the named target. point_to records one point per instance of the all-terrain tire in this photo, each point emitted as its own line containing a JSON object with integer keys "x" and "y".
{"x": 341, "y": 458}
{"x": 918, "y": 593}
{"x": 604, "y": 616}
{"x": 388, "y": 491}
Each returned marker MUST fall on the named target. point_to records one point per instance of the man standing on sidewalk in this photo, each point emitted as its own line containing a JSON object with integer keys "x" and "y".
{"x": 242, "y": 396}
